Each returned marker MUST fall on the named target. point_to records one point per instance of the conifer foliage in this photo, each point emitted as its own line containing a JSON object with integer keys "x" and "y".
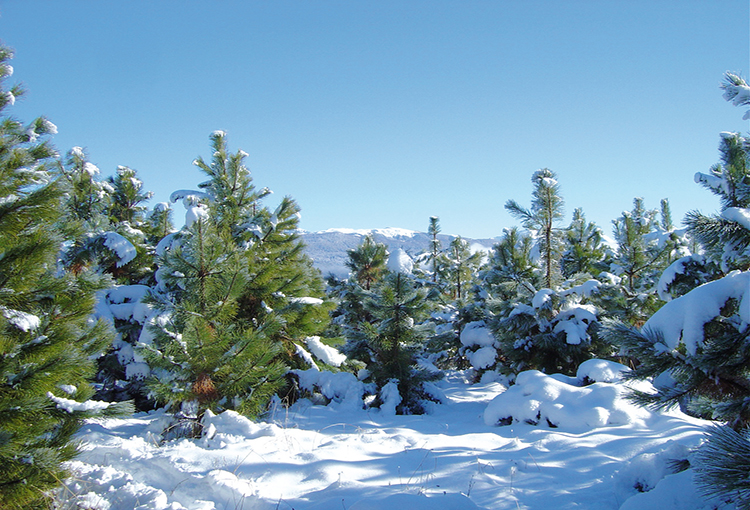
{"x": 230, "y": 294}
{"x": 46, "y": 339}
{"x": 543, "y": 216}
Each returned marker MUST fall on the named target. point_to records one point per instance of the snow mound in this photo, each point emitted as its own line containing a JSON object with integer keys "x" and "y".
{"x": 341, "y": 387}
{"x": 477, "y": 333}
{"x": 539, "y": 398}
{"x": 600, "y": 370}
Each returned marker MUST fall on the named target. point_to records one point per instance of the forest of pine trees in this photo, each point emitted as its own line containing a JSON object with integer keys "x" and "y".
{"x": 108, "y": 306}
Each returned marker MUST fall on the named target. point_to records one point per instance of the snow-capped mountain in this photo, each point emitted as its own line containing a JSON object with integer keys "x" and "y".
{"x": 328, "y": 248}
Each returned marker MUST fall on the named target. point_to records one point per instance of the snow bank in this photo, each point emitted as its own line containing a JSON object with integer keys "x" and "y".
{"x": 539, "y": 398}
{"x": 600, "y": 370}
{"x": 314, "y": 457}
{"x": 341, "y": 387}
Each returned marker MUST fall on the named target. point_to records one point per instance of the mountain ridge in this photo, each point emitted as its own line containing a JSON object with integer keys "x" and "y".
{"x": 328, "y": 248}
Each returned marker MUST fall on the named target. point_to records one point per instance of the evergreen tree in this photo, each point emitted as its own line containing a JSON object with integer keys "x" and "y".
{"x": 724, "y": 237}
{"x": 584, "y": 251}
{"x": 395, "y": 338}
{"x": 459, "y": 266}
{"x": 510, "y": 271}
{"x": 644, "y": 250}
{"x": 202, "y": 356}
{"x": 128, "y": 196}
{"x": 695, "y": 348}
{"x": 553, "y": 332}
{"x": 367, "y": 262}
{"x": 235, "y": 293}
{"x": 545, "y": 212}
{"x": 46, "y": 338}
{"x": 433, "y": 230}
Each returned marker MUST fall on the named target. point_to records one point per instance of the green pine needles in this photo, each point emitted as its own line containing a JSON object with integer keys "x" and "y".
{"x": 46, "y": 338}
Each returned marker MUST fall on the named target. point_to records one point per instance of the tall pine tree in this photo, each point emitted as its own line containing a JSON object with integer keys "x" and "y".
{"x": 46, "y": 339}
{"x": 545, "y": 213}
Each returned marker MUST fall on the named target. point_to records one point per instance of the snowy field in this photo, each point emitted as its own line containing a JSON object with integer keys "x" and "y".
{"x": 563, "y": 446}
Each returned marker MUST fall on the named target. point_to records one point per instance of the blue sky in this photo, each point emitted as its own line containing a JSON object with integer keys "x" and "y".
{"x": 383, "y": 113}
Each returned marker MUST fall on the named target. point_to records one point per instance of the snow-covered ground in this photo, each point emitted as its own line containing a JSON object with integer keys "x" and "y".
{"x": 603, "y": 453}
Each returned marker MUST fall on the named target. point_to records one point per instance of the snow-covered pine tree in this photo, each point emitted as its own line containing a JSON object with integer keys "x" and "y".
{"x": 46, "y": 338}
{"x": 433, "y": 230}
{"x": 553, "y": 332}
{"x": 235, "y": 292}
{"x": 542, "y": 218}
{"x": 367, "y": 263}
{"x": 646, "y": 246}
{"x": 725, "y": 237}
{"x": 107, "y": 221}
{"x": 695, "y": 348}
{"x": 510, "y": 271}
{"x": 459, "y": 266}
{"x": 394, "y": 339}
{"x": 202, "y": 355}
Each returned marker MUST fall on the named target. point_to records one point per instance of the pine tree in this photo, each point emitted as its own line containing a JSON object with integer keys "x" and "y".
{"x": 644, "y": 250}
{"x": 584, "y": 251}
{"x": 46, "y": 338}
{"x": 510, "y": 271}
{"x": 545, "y": 212}
{"x": 235, "y": 292}
{"x": 202, "y": 356}
{"x": 459, "y": 267}
{"x": 695, "y": 348}
{"x": 395, "y": 338}
{"x": 553, "y": 332}
{"x": 433, "y": 230}
{"x": 367, "y": 262}
{"x": 725, "y": 237}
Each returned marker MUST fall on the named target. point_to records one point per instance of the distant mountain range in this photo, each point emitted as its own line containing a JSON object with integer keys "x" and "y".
{"x": 328, "y": 248}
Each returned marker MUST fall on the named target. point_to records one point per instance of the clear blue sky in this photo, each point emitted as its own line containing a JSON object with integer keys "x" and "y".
{"x": 383, "y": 113}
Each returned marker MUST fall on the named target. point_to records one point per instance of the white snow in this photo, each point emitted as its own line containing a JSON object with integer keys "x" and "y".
{"x": 602, "y": 455}
{"x": 600, "y": 370}
{"x": 71, "y": 406}
{"x": 24, "y": 321}
{"x": 574, "y": 321}
{"x": 542, "y": 297}
{"x": 483, "y": 357}
{"x": 120, "y": 246}
{"x": 91, "y": 169}
{"x": 306, "y": 300}
{"x": 125, "y": 302}
{"x": 477, "y": 333}
{"x": 738, "y": 215}
{"x": 682, "y": 320}
{"x": 195, "y": 213}
{"x": 324, "y": 353}
{"x": 400, "y": 262}
{"x": 668, "y": 276}
{"x": 391, "y": 398}
{"x": 538, "y": 398}
{"x": 341, "y": 387}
